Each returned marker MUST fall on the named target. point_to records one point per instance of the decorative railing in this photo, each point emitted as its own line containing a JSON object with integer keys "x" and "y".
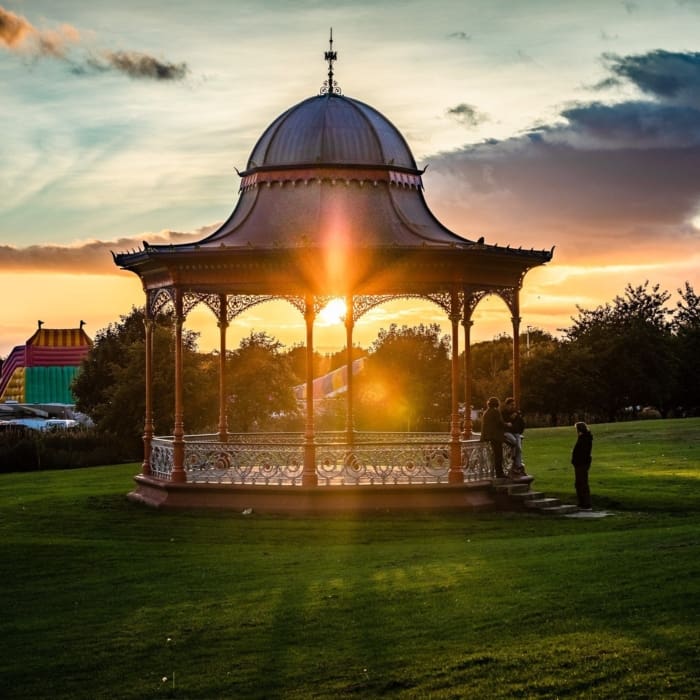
{"x": 274, "y": 464}
{"x": 323, "y": 438}
{"x": 162, "y": 458}
{"x": 384, "y": 462}
{"x": 371, "y": 459}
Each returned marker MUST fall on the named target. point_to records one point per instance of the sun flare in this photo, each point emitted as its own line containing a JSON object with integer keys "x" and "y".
{"x": 333, "y": 312}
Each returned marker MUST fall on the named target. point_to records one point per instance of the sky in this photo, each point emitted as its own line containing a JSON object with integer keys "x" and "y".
{"x": 541, "y": 123}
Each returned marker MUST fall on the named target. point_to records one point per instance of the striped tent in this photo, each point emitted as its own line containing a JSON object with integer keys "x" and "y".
{"x": 330, "y": 384}
{"x": 41, "y": 370}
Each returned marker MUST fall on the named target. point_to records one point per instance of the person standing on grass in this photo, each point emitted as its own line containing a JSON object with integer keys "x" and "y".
{"x": 581, "y": 459}
{"x": 492, "y": 429}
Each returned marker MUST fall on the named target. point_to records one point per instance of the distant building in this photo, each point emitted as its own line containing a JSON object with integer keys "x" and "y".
{"x": 42, "y": 370}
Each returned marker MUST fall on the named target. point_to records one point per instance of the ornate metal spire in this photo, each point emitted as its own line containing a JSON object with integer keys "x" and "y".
{"x": 330, "y": 87}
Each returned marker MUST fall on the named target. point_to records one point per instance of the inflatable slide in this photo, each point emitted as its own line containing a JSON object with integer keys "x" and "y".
{"x": 41, "y": 370}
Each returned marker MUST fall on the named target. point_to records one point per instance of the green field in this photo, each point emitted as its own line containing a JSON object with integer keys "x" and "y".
{"x": 102, "y": 598}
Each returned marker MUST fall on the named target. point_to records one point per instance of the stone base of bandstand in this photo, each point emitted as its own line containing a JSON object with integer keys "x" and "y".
{"x": 157, "y": 493}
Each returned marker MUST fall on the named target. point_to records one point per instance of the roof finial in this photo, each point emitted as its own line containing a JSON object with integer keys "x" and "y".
{"x": 330, "y": 87}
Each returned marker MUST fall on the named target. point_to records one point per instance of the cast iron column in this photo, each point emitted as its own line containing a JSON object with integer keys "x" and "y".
{"x": 349, "y": 325}
{"x": 516, "y": 347}
{"x": 148, "y": 418}
{"x": 223, "y": 325}
{"x": 308, "y": 476}
{"x": 178, "y": 473}
{"x": 467, "y": 323}
{"x": 455, "y": 475}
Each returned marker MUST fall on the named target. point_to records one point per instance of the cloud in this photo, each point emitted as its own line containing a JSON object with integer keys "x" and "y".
{"x": 662, "y": 74}
{"x": 18, "y": 35}
{"x": 528, "y": 183}
{"x": 13, "y": 28}
{"x": 615, "y": 179}
{"x": 135, "y": 64}
{"x": 632, "y": 124}
{"x": 467, "y": 114}
{"x": 85, "y": 257}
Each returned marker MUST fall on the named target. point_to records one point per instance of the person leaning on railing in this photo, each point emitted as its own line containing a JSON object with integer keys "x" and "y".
{"x": 492, "y": 431}
{"x": 513, "y": 435}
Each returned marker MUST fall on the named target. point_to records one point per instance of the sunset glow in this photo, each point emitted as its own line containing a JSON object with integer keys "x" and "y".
{"x": 333, "y": 312}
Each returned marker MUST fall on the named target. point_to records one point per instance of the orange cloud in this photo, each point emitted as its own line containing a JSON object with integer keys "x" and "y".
{"x": 18, "y": 34}
{"x": 14, "y": 29}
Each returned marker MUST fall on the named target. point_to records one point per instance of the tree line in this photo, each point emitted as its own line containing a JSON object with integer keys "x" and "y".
{"x": 633, "y": 353}
{"x": 612, "y": 362}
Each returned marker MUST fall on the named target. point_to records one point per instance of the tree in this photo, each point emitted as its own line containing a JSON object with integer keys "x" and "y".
{"x": 686, "y": 324}
{"x": 110, "y": 386}
{"x": 629, "y": 345}
{"x": 543, "y": 377}
{"x": 340, "y": 358}
{"x": 260, "y": 383}
{"x": 492, "y": 369}
{"x": 687, "y": 315}
{"x": 406, "y": 381}
{"x": 296, "y": 358}
{"x": 93, "y": 385}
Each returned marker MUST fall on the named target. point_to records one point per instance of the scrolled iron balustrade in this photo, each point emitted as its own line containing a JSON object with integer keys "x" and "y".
{"x": 162, "y": 458}
{"x": 321, "y": 438}
{"x": 397, "y": 459}
{"x": 382, "y": 463}
{"x": 478, "y": 462}
{"x": 372, "y": 459}
{"x": 231, "y": 463}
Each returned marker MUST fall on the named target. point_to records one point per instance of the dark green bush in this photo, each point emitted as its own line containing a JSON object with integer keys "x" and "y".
{"x": 29, "y": 450}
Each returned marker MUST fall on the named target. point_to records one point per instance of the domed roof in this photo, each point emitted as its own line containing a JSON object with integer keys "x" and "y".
{"x": 331, "y": 166}
{"x": 331, "y": 129}
{"x": 331, "y": 202}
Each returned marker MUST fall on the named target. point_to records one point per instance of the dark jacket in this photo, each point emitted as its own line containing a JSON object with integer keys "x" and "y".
{"x": 581, "y": 454}
{"x": 516, "y": 420}
{"x": 492, "y": 427}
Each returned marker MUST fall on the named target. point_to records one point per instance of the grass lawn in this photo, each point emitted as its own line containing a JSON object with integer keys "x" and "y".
{"x": 102, "y": 598}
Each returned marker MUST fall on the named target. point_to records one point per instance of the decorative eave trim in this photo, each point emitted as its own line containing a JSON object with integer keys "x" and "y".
{"x": 400, "y": 177}
{"x": 189, "y": 257}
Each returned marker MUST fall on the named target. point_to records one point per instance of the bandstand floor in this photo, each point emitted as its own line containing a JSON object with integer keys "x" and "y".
{"x": 157, "y": 493}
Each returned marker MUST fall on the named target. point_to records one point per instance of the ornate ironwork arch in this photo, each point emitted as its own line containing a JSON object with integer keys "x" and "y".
{"x": 299, "y": 302}
{"x": 236, "y": 304}
{"x": 472, "y": 298}
{"x": 442, "y": 299}
{"x": 362, "y": 303}
{"x": 160, "y": 300}
{"x": 192, "y": 299}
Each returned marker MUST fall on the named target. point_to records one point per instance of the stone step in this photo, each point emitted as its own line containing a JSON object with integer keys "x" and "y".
{"x": 519, "y": 493}
{"x": 540, "y": 503}
{"x": 527, "y": 495}
{"x": 559, "y": 510}
{"x": 511, "y": 488}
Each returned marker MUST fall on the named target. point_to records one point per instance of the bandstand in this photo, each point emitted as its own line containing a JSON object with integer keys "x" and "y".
{"x": 331, "y": 205}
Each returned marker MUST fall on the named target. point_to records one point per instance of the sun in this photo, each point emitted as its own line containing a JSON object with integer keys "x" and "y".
{"x": 333, "y": 312}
